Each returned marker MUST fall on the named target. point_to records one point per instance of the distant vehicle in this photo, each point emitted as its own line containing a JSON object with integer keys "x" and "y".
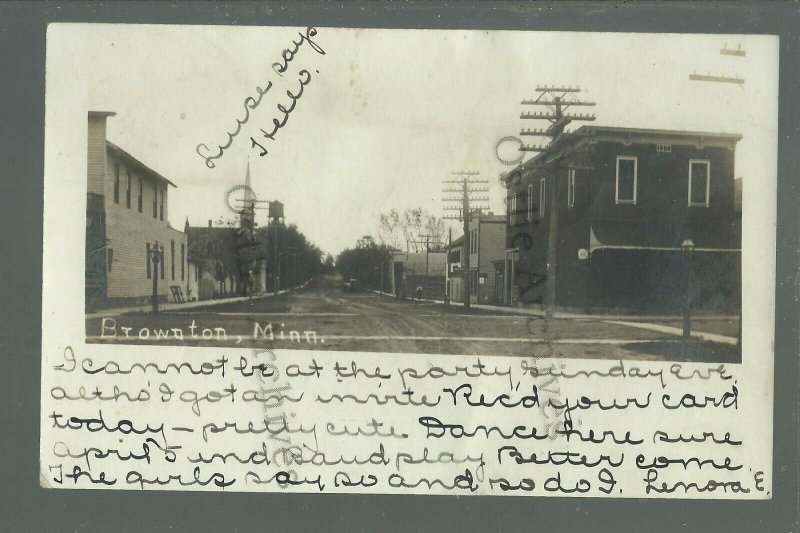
{"x": 351, "y": 285}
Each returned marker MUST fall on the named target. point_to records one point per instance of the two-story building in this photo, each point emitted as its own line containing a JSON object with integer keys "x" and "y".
{"x": 486, "y": 237}
{"x": 455, "y": 283}
{"x": 632, "y": 203}
{"x": 127, "y": 219}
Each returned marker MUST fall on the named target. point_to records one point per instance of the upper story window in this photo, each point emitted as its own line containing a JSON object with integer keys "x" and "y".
{"x": 116, "y": 183}
{"x": 155, "y": 202}
{"x": 139, "y": 197}
{"x": 699, "y": 182}
{"x": 172, "y": 260}
{"x": 542, "y": 196}
{"x": 128, "y": 191}
{"x": 663, "y": 148}
{"x": 161, "y": 209}
{"x": 183, "y": 260}
{"x": 627, "y": 179}
{"x": 530, "y": 202}
{"x": 571, "y": 187}
{"x": 512, "y": 209}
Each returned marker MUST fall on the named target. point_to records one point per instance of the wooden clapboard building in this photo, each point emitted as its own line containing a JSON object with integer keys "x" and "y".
{"x": 639, "y": 212}
{"x": 126, "y": 219}
{"x": 486, "y": 236}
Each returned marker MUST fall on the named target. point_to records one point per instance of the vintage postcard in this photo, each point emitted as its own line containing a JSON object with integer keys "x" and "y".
{"x": 409, "y": 261}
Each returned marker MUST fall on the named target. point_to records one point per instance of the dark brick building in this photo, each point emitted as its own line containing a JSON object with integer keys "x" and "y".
{"x": 628, "y": 199}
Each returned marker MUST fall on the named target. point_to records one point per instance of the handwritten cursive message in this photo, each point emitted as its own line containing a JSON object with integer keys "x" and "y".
{"x": 252, "y": 102}
{"x": 204, "y": 419}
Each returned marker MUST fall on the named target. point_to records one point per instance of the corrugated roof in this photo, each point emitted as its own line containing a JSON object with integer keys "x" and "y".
{"x": 129, "y": 159}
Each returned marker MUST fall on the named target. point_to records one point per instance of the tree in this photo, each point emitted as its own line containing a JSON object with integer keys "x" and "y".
{"x": 404, "y": 230}
{"x": 328, "y": 265}
{"x": 215, "y": 250}
{"x": 367, "y": 241}
{"x": 368, "y": 263}
{"x": 299, "y": 259}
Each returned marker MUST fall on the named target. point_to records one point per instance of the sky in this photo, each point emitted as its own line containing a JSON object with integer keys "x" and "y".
{"x": 391, "y": 113}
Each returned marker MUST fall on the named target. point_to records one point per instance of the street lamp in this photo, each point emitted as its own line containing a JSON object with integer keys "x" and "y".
{"x": 687, "y": 250}
{"x": 155, "y": 257}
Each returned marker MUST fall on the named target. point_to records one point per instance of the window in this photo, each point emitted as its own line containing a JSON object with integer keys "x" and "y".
{"x": 155, "y": 202}
{"x": 161, "y": 215}
{"x": 116, "y": 183}
{"x": 148, "y": 261}
{"x": 128, "y": 192}
{"x": 139, "y": 198}
{"x": 161, "y": 260}
{"x": 699, "y": 182}
{"x": 571, "y": 187}
{"x": 626, "y": 179}
{"x": 512, "y": 209}
{"x": 110, "y": 258}
{"x": 542, "y": 197}
{"x": 473, "y": 281}
{"x": 530, "y": 203}
{"x": 663, "y": 148}
{"x": 183, "y": 260}
{"x": 172, "y": 260}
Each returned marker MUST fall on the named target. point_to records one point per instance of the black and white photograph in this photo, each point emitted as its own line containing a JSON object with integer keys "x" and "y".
{"x": 406, "y": 192}
{"x": 409, "y": 261}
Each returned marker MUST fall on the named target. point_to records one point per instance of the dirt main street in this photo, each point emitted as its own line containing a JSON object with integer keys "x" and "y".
{"x": 322, "y": 316}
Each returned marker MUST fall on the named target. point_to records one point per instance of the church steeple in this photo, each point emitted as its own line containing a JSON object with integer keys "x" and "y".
{"x": 249, "y": 197}
{"x": 247, "y": 175}
{"x": 248, "y": 209}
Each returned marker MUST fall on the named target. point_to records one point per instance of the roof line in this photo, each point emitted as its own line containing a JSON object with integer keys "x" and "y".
{"x": 585, "y": 131}
{"x": 130, "y": 159}
{"x": 674, "y": 133}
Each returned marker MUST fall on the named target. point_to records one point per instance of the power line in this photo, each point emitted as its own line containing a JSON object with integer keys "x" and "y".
{"x": 557, "y": 100}
{"x": 469, "y": 186}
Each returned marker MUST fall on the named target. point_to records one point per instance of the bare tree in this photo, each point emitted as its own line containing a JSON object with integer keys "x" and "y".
{"x": 401, "y": 229}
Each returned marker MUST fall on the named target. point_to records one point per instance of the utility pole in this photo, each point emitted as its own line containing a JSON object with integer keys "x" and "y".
{"x": 380, "y": 291}
{"x": 557, "y": 101}
{"x": 276, "y": 221}
{"x": 155, "y": 257}
{"x": 427, "y": 243}
{"x": 248, "y": 251}
{"x": 716, "y": 78}
{"x": 447, "y": 294}
{"x": 465, "y": 185}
